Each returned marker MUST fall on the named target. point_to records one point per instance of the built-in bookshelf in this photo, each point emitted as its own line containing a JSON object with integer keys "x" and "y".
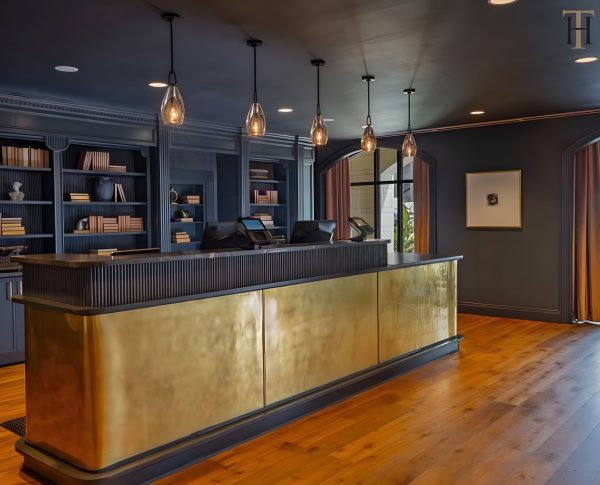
{"x": 269, "y": 192}
{"x": 186, "y": 213}
{"x": 28, "y": 162}
{"x": 122, "y": 167}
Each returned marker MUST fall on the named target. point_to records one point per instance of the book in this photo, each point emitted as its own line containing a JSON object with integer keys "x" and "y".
{"x": 103, "y": 252}
{"x": 184, "y": 219}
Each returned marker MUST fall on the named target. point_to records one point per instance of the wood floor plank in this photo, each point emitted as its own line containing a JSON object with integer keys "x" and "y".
{"x": 519, "y": 404}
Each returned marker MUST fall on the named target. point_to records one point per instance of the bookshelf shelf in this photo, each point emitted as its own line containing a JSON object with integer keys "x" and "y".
{"x": 26, "y": 202}
{"x": 24, "y": 169}
{"x": 74, "y": 171}
{"x": 259, "y": 181}
{"x": 191, "y": 243}
{"x": 268, "y": 205}
{"x": 111, "y": 204}
{"x": 187, "y": 222}
{"x": 27, "y": 236}
{"x": 105, "y": 234}
{"x": 186, "y": 205}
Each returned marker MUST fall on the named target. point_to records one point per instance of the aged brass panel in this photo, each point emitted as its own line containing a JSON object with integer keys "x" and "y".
{"x": 318, "y": 332}
{"x": 417, "y": 307}
{"x": 104, "y": 388}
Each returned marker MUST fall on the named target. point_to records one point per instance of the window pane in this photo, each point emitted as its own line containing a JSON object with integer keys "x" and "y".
{"x": 388, "y": 165}
{"x": 362, "y": 204}
{"x": 361, "y": 168}
{"x": 408, "y": 219}
{"x": 388, "y": 206}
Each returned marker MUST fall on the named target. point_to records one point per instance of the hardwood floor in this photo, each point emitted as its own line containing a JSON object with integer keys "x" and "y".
{"x": 520, "y": 403}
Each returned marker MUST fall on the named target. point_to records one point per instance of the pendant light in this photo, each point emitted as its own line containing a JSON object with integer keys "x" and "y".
{"x": 409, "y": 146}
{"x": 172, "y": 110}
{"x": 318, "y": 130}
{"x": 368, "y": 142}
{"x": 256, "y": 123}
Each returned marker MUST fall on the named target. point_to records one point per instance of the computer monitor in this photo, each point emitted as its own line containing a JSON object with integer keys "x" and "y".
{"x": 219, "y": 235}
{"x": 363, "y": 228}
{"x": 312, "y": 232}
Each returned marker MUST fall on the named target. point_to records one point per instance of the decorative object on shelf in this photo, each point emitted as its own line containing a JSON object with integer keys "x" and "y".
{"x": 78, "y": 197}
{"x": 409, "y": 146}
{"x": 494, "y": 200}
{"x": 182, "y": 214}
{"x": 11, "y": 226}
{"x": 16, "y": 194}
{"x": 368, "y": 142}
{"x": 103, "y": 189}
{"x": 82, "y": 224}
{"x": 318, "y": 130}
{"x": 172, "y": 110}
{"x": 173, "y": 196}
{"x": 94, "y": 160}
{"x": 25, "y": 157}
{"x": 256, "y": 123}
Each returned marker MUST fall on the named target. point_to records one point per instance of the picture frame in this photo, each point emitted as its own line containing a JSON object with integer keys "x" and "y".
{"x": 494, "y": 200}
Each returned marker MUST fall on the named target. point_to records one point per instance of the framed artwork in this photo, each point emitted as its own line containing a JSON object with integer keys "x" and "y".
{"x": 494, "y": 200}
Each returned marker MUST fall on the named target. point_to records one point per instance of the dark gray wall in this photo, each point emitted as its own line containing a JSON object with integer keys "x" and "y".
{"x": 515, "y": 273}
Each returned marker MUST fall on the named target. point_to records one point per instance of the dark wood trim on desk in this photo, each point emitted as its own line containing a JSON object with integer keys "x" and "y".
{"x": 200, "y": 446}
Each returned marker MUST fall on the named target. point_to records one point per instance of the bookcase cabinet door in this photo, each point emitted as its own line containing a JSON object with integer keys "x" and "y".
{"x": 11, "y": 323}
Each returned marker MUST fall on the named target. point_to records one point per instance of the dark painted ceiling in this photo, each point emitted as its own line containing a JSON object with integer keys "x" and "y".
{"x": 459, "y": 54}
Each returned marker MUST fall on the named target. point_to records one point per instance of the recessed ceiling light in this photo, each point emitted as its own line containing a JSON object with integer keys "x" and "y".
{"x": 585, "y": 60}
{"x": 501, "y": 2}
{"x": 157, "y": 85}
{"x": 478, "y": 112}
{"x": 66, "y": 68}
{"x": 328, "y": 119}
{"x": 285, "y": 110}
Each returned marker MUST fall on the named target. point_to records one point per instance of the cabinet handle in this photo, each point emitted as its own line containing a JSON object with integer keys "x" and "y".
{"x": 20, "y": 288}
{"x": 9, "y": 290}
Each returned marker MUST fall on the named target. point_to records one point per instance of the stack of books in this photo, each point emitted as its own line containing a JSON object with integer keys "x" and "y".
{"x": 190, "y": 199}
{"x": 103, "y": 252}
{"x": 98, "y": 161}
{"x": 259, "y": 173}
{"x": 78, "y": 197}
{"x": 25, "y": 157}
{"x": 136, "y": 224}
{"x": 119, "y": 193}
{"x": 117, "y": 168}
{"x": 263, "y": 196}
{"x": 267, "y": 219}
{"x": 180, "y": 237}
{"x": 110, "y": 224}
{"x": 184, "y": 219}
{"x": 11, "y": 226}
{"x": 124, "y": 223}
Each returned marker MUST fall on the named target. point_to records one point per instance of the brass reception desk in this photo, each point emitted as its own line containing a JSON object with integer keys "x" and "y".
{"x": 132, "y": 374}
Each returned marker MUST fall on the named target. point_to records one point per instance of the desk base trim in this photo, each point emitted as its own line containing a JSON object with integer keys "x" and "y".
{"x": 201, "y": 446}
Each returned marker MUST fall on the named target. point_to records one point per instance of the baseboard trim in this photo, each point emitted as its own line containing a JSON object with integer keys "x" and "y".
{"x": 195, "y": 448}
{"x": 508, "y": 311}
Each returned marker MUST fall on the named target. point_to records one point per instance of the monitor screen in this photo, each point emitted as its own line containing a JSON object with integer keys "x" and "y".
{"x": 312, "y": 232}
{"x": 359, "y": 222}
{"x": 253, "y": 225}
{"x": 223, "y": 235}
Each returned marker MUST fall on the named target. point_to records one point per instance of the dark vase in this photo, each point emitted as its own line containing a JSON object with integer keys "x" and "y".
{"x": 103, "y": 189}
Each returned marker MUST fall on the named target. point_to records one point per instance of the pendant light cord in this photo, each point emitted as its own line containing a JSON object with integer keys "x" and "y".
{"x": 255, "y": 92}
{"x": 318, "y": 90}
{"x": 172, "y": 75}
{"x": 409, "y": 128}
{"x": 368, "y": 103}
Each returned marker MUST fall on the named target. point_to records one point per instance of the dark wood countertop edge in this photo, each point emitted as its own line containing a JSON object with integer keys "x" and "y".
{"x": 90, "y": 311}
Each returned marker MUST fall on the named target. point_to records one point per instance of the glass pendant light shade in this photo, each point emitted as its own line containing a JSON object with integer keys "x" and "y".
{"x": 172, "y": 110}
{"x": 409, "y": 147}
{"x": 318, "y": 131}
{"x": 368, "y": 142}
{"x": 256, "y": 123}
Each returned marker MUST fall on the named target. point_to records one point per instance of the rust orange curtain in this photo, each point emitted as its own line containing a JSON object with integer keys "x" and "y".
{"x": 421, "y": 198}
{"x": 337, "y": 197}
{"x": 586, "y": 233}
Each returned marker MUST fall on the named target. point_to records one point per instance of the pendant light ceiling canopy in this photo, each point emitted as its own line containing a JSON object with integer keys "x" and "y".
{"x": 409, "y": 146}
{"x": 368, "y": 142}
{"x": 318, "y": 130}
{"x": 256, "y": 123}
{"x": 172, "y": 110}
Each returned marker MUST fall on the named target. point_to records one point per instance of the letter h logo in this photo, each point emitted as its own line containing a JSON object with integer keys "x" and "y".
{"x": 579, "y": 15}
